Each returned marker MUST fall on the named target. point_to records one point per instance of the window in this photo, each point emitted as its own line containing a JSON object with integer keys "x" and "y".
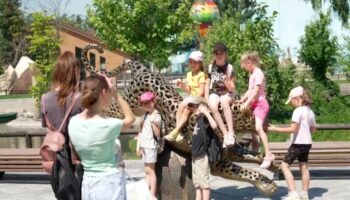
{"x": 102, "y": 63}
{"x": 78, "y": 54}
{"x": 92, "y": 59}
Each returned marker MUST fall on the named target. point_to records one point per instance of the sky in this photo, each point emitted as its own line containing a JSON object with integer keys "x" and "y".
{"x": 289, "y": 25}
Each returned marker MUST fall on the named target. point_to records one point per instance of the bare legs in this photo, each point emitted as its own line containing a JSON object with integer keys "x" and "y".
{"x": 225, "y": 101}
{"x": 305, "y": 176}
{"x": 269, "y": 157}
{"x": 182, "y": 115}
{"x": 151, "y": 178}
{"x": 202, "y": 194}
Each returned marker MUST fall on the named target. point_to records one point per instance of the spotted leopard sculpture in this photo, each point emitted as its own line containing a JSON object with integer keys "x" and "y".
{"x": 168, "y": 101}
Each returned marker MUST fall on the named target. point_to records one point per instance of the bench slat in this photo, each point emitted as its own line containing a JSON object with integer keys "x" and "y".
{"x": 20, "y": 162}
{"x": 24, "y": 151}
{"x": 20, "y": 166}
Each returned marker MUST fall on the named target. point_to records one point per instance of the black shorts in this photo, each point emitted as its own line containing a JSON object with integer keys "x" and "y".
{"x": 300, "y": 151}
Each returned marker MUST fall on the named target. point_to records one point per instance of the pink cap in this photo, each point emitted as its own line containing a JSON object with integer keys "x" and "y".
{"x": 147, "y": 96}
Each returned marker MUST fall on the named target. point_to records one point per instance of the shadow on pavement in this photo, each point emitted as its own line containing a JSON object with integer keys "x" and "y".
{"x": 25, "y": 178}
{"x": 251, "y": 193}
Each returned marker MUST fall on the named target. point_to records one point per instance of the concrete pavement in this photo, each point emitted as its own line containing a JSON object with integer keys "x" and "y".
{"x": 325, "y": 184}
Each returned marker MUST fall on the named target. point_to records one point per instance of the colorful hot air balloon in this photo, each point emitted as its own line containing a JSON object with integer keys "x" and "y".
{"x": 205, "y": 12}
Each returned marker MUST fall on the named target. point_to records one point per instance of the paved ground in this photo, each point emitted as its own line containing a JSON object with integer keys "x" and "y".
{"x": 326, "y": 184}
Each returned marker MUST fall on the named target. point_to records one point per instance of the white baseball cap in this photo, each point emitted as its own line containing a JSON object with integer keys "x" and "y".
{"x": 295, "y": 92}
{"x": 196, "y": 56}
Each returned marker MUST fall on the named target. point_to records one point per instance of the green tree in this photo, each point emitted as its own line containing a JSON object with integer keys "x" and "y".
{"x": 149, "y": 29}
{"x": 13, "y": 30}
{"x": 343, "y": 58}
{"x": 44, "y": 47}
{"x": 245, "y": 8}
{"x": 340, "y": 7}
{"x": 319, "y": 47}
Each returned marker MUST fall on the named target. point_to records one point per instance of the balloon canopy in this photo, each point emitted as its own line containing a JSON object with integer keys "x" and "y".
{"x": 205, "y": 11}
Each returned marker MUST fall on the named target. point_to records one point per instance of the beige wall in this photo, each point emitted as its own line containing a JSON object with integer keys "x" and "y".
{"x": 69, "y": 41}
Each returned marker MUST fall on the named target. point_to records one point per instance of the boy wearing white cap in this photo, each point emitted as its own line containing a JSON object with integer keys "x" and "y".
{"x": 303, "y": 124}
{"x": 195, "y": 87}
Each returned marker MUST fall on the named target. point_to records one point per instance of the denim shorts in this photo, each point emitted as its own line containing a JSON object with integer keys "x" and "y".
{"x": 106, "y": 187}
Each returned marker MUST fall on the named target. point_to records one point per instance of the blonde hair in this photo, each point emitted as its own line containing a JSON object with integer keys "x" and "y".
{"x": 252, "y": 56}
{"x": 305, "y": 99}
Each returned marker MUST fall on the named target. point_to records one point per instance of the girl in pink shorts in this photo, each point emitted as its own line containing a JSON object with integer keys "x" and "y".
{"x": 255, "y": 98}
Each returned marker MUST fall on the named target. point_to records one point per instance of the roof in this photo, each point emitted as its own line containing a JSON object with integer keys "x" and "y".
{"x": 88, "y": 36}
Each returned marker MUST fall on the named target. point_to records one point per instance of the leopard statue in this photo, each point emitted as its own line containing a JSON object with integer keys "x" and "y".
{"x": 168, "y": 100}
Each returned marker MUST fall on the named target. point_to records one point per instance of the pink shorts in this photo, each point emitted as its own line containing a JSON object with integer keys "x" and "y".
{"x": 260, "y": 109}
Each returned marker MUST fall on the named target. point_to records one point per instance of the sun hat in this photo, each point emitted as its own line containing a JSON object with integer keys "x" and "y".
{"x": 295, "y": 92}
{"x": 147, "y": 96}
{"x": 219, "y": 46}
{"x": 196, "y": 56}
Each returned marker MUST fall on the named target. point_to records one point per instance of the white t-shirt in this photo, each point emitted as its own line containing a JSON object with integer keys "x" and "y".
{"x": 146, "y": 138}
{"x": 305, "y": 117}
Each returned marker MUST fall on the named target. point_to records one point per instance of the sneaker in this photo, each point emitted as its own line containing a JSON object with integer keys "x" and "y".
{"x": 304, "y": 195}
{"x": 291, "y": 196}
{"x": 229, "y": 140}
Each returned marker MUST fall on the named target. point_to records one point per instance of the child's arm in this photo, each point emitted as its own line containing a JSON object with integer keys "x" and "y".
{"x": 293, "y": 128}
{"x": 156, "y": 123}
{"x": 230, "y": 84}
{"x": 206, "y": 89}
{"x": 201, "y": 90}
{"x": 252, "y": 95}
{"x": 156, "y": 129}
{"x": 183, "y": 86}
{"x": 313, "y": 129}
{"x": 205, "y": 111}
{"x": 129, "y": 117}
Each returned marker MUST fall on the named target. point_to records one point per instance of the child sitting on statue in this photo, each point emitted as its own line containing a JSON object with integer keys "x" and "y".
{"x": 196, "y": 82}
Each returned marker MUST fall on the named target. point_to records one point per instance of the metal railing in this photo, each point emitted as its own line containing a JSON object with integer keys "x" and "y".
{"x": 28, "y": 135}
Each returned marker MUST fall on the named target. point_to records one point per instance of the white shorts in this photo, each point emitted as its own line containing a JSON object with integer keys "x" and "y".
{"x": 108, "y": 187}
{"x": 149, "y": 155}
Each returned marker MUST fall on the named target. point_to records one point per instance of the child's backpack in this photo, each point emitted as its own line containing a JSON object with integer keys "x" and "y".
{"x": 57, "y": 160}
{"x": 160, "y": 141}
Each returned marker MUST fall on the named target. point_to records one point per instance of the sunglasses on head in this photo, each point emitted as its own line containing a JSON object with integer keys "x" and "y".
{"x": 192, "y": 105}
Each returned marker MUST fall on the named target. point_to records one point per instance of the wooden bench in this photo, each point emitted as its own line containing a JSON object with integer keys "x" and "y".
{"x": 322, "y": 154}
{"x": 19, "y": 160}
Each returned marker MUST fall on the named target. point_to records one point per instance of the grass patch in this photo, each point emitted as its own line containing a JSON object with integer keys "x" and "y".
{"x": 16, "y": 96}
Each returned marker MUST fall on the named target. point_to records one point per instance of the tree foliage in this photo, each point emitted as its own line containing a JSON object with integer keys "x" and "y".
{"x": 149, "y": 29}
{"x": 13, "y": 30}
{"x": 256, "y": 34}
{"x": 343, "y": 58}
{"x": 340, "y": 7}
{"x": 318, "y": 47}
{"x": 230, "y": 8}
{"x": 44, "y": 47}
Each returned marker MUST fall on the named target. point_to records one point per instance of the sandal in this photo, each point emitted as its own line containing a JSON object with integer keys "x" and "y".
{"x": 267, "y": 161}
{"x": 171, "y": 137}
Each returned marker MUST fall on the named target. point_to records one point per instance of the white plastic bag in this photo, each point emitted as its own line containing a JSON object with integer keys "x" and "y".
{"x": 138, "y": 190}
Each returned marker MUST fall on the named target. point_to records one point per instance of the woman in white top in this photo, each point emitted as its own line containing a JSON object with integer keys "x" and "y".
{"x": 303, "y": 124}
{"x": 147, "y": 144}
